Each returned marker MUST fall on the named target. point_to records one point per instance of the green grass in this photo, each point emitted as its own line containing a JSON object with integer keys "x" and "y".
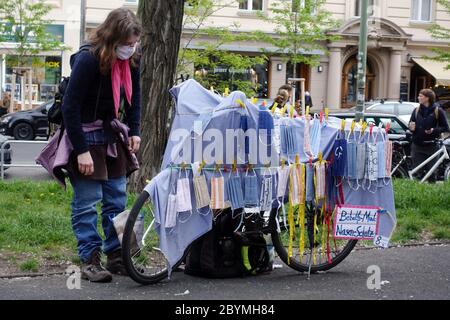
{"x": 35, "y": 217}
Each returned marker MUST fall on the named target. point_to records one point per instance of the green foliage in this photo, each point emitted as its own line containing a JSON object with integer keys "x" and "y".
{"x": 211, "y": 54}
{"x": 441, "y": 33}
{"x": 300, "y": 30}
{"x": 25, "y": 22}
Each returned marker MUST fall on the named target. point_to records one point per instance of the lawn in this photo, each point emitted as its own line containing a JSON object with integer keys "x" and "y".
{"x": 35, "y": 225}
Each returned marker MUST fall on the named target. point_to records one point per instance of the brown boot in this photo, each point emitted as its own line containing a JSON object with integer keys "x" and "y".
{"x": 93, "y": 269}
{"x": 115, "y": 264}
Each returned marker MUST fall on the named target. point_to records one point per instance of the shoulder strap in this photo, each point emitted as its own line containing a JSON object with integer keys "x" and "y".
{"x": 436, "y": 113}
{"x": 417, "y": 111}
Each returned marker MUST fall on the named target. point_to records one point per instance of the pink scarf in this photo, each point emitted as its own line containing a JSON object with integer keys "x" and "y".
{"x": 121, "y": 75}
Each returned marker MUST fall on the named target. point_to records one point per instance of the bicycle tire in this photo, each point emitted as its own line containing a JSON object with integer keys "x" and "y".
{"x": 127, "y": 247}
{"x": 297, "y": 265}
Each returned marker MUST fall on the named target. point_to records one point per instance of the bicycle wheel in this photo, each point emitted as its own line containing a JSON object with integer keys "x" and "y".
{"x": 144, "y": 261}
{"x": 338, "y": 249}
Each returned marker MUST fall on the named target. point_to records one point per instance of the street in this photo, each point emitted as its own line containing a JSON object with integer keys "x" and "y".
{"x": 25, "y": 154}
{"x": 418, "y": 272}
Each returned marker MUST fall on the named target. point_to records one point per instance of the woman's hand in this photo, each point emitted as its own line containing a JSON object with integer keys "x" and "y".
{"x": 134, "y": 143}
{"x": 85, "y": 164}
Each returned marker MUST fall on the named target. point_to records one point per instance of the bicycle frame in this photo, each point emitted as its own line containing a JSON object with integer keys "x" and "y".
{"x": 444, "y": 156}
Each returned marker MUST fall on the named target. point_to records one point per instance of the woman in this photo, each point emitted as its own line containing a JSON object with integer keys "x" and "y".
{"x": 103, "y": 78}
{"x": 427, "y": 122}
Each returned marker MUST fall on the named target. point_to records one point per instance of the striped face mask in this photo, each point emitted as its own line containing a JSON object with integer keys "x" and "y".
{"x": 201, "y": 191}
{"x": 320, "y": 180}
{"x": 388, "y": 155}
{"x": 217, "y": 192}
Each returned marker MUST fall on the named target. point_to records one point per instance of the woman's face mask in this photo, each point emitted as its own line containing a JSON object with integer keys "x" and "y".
{"x": 125, "y": 52}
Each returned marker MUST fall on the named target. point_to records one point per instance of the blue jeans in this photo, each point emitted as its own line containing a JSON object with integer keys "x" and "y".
{"x": 87, "y": 193}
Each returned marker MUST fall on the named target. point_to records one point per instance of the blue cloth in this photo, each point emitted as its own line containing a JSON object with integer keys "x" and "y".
{"x": 86, "y": 194}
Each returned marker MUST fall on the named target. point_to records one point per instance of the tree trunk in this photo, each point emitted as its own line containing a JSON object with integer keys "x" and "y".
{"x": 162, "y": 26}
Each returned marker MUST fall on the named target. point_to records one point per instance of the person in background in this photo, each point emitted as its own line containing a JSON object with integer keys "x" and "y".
{"x": 427, "y": 123}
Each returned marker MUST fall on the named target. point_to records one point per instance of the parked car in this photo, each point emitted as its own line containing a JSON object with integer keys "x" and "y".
{"x": 399, "y": 108}
{"x": 398, "y": 129}
{"x": 28, "y": 124}
{"x": 7, "y": 153}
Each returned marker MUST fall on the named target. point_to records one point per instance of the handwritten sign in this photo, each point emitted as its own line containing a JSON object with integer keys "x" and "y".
{"x": 356, "y": 222}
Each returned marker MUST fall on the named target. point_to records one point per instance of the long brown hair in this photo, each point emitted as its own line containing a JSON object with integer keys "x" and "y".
{"x": 429, "y": 94}
{"x": 118, "y": 27}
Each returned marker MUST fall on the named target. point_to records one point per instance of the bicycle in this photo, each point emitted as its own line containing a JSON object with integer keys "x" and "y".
{"x": 146, "y": 263}
{"x": 403, "y": 166}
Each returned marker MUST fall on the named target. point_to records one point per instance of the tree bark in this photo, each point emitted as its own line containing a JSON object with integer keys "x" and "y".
{"x": 162, "y": 26}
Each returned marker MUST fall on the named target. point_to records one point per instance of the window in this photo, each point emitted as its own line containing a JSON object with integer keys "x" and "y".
{"x": 406, "y": 109}
{"x": 251, "y": 5}
{"x": 421, "y": 10}
{"x": 382, "y": 108}
{"x": 297, "y": 4}
{"x": 396, "y": 127}
{"x": 370, "y": 10}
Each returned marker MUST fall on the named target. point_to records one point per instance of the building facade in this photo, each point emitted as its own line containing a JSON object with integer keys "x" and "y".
{"x": 398, "y": 37}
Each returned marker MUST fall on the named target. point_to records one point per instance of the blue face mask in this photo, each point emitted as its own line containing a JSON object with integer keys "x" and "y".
{"x": 381, "y": 159}
{"x": 292, "y": 145}
{"x": 283, "y": 139}
{"x": 266, "y": 194}
{"x": 309, "y": 183}
{"x": 351, "y": 160}
{"x": 316, "y": 132}
{"x": 340, "y": 157}
{"x": 235, "y": 194}
{"x": 251, "y": 191}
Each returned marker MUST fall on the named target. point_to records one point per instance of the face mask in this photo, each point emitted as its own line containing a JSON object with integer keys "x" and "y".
{"x": 283, "y": 140}
{"x": 251, "y": 192}
{"x": 388, "y": 154}
{"x": 235, "y": 195}
{"x": 171, "y": 212}
{"x": 295, "y": 185}
{"x": 307, "y": 138}
{"x": 351, "y": 160}
{"x": 309, "y": 183}
{"x": 320, "y": 180}
{"x": 372, "y": 162}
{"x": 125, "y": 52}
{"x": 217, "y": 193}
{"x": 266, "y": 194}
{"x": 183, "y": 195}
{"x": 202, "y": 198}
{"x": 283, "y": 177}
{"x": 340, "y": 157}
{"x": 360, "y": 160}
{"x": 292, "y": 145}
{"x": 316, "y": 133}
{"x": 381, "y": 159}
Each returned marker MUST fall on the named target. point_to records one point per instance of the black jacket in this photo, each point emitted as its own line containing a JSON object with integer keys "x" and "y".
{"x": 425, "y": 120}
{"x": 80, "y": 99}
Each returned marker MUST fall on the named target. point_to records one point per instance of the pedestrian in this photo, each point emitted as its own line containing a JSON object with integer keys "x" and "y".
{"x": 427, "y": 123}
{"x": 103, "y": 78}
{"x": 282, "y": 100}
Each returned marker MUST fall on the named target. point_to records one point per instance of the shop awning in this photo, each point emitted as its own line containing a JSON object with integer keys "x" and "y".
{"x": 436, "y": 69}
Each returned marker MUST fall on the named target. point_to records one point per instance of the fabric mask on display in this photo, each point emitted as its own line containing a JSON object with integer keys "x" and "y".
{"x": 283, "y": 178}
{"x": 202, "y": 198}
{"x": 292, "y": 145}
{"x": 360, "y": 161}
{"x": 235, "y": 194}
{"x": 320, "y": 179}
{"x": 184, "y": 203}
{"x": 371, "y": 174}
{"x": 309, "y": 182}
{"x": 283, "y": 139}
{"x": 307, "y": 137}
{"x": 266, "y": 192}
{"x": 217, "y": 192}
{"x": 388, "y": 154}
{"x": 316, "y": 132}
{"x": 340, "y": 157}
{"x": 251, "y": 199}
{"x": 171, "y": 212}
{"x": 381, "y": 146}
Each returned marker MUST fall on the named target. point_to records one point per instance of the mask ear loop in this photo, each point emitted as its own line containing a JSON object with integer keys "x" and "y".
{"x": 190, "y": 211}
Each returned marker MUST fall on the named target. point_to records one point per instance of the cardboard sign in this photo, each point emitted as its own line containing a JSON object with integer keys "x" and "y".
{"x": 356, "y": 222}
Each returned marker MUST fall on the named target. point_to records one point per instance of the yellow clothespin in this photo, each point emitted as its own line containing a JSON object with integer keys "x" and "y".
{"x": 275, "y": 105}
{"x": 217, "y": 166}
{"x": 282, "y": 163}
{"x": 241, "y": 104}
{"x": 201, "y": 166}
{"x": 234, "y": 166}
{"x": 227, "y": 92}
{"x": 353, "y": 126}
{"x": 320, "y": 157}
{"x": 291, "y": 112}
{"x": 326, "y": 113}
{"x": 343, "y": 125}
{"x": 147, "y": 181}
{"x": 307, "y": 110}
{"x": 183, "y": 166}
{"x": 297, "y": 160}
{"x": 254, "y": 100}
{"x": 364, "y": 126}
